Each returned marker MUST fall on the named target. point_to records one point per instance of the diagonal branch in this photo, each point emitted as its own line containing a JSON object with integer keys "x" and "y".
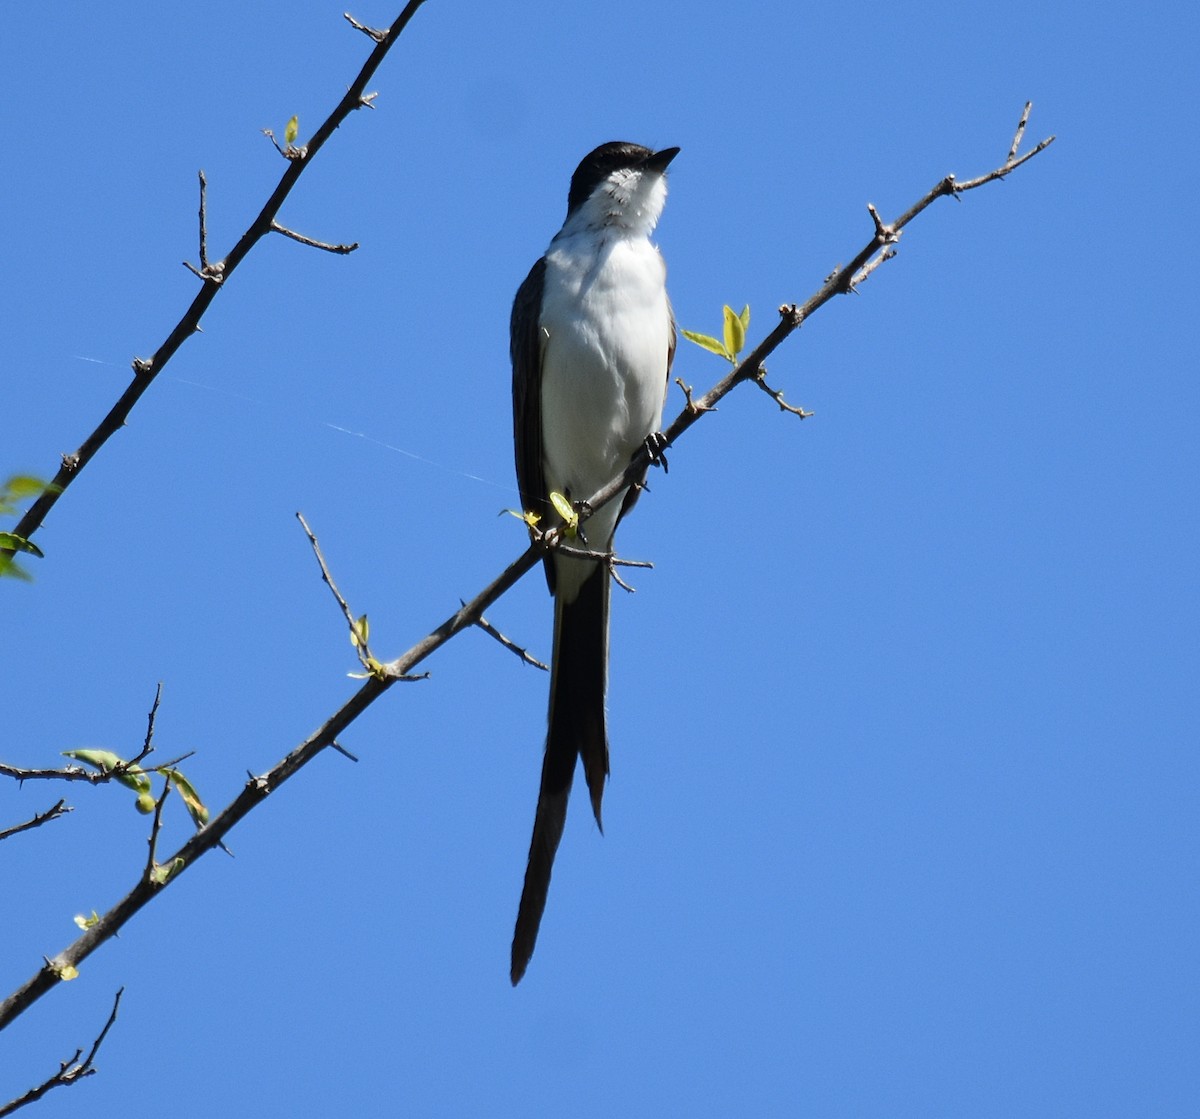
{"x": 39, "y": 818}
{"x": 258, "y": 789}
{"x": 145, "y": 370}
{"x": 70, "y": 1072}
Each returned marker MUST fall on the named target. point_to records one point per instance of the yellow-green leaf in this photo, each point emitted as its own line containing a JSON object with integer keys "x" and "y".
{"x": 103, "y": 760}
{"x": 735, "y": 334}
{"x": 195, "y": 806}
{"x": 359, "y": 631}
{"x": 87, "y": 922}
{"x": 292, "y": 130}
{"x": 67, "y": 972}
{"x": 17, "y": 543}
{"x": 563, "y": 508}
{"x": 745, "y": 317}
{"x": 705, "y": 341}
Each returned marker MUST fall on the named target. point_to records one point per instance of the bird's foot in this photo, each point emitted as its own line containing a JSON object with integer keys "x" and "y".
{"x": 656, "y": 447}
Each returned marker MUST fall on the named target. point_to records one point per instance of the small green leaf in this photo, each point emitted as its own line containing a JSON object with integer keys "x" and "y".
{"x": 735, "y": 334}
{"x": 745, "y": 317}
{"x": 164, "y": 872}
{"x": 705, "y": 341}
{"x": 292, "y": 130}
{"x": 86, "y": 923}
{"x": 67, "y": 972}
{"x": 563, "y": 508}
{"x": 106, "y": 761}
{"x": 24, "y": 485}
{"x": 195, "y": 806}
{"x": 359, "y": 632}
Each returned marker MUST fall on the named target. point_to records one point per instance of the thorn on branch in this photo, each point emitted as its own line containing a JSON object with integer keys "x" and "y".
{"x": 370, "y": 32}
{"x": 341, "y": 249}
{"x": 143, "y": 367}
{"x": 342, "y": 750}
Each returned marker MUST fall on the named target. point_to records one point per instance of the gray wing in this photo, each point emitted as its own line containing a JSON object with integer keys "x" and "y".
{"x": 525, "y": 348}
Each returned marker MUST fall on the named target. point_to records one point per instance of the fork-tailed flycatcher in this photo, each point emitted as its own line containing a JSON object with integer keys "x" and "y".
{"x": 592, "y": 339}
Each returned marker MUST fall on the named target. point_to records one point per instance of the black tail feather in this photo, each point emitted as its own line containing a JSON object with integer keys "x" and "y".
{"x": 578, "y": 679}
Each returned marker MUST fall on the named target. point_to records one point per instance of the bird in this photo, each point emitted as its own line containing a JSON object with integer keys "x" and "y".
{"x": 592, "y": 339}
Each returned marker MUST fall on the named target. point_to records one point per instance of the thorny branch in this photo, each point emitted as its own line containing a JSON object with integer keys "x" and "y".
{"x": 258, "y": 789}
{"x": 39, "y": 818}
{"x": 70, "y": 1072}
{"x": 145, "y": 370}
{"x": 93, "y": 776}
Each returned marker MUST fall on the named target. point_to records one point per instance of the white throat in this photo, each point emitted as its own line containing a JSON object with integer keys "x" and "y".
{"x": 630, "y": 201}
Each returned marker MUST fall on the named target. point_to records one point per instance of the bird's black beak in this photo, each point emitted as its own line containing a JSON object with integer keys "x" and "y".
{"x": 659, "y": 160}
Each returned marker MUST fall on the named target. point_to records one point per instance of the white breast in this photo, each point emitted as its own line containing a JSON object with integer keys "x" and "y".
{"x": 605, "y": 336}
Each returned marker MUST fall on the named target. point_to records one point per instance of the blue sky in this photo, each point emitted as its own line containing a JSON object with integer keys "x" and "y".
{"x": 903, "y": 813}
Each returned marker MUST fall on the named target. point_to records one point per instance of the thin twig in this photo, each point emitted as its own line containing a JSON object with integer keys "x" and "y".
{"x": 351, "y": 621}
{"x": 203, "y": 222}
{"x": 93, "y": 776}
{"x": 40, "y": 818}
{"x": 258, "y": 788}
{"x": 687, "y": 392}
{"x": 509, "y": 644}
{"x": 341, "y": 249}
{"x": 777, "y": 396}
{"x": 155, "y": 827}
{"x": 373, "y": 32}
{"x": 71, "y": 1071}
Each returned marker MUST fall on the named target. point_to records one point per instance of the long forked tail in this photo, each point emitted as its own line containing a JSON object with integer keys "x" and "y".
{"x": 578, "y": 678}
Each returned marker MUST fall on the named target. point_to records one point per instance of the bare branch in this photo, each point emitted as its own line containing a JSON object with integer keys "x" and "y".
{"x": 258, "y": 789}
{"x": 70, "y": 1071}
{"x": 511, "y": 646}
{"x": 777, "y": 396}
{"x": 147, "y": 369}
{"x": 340, "y": 249}
{"x": 40, "y": 818}
{"x": 93, "y": 776}
{"x": 687, "y": 392}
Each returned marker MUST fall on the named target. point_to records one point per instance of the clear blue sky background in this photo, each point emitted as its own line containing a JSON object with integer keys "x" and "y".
{"x": 903, "y": 814}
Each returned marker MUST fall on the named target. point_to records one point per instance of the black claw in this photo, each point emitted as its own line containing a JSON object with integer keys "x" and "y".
{"x": 656, "y": 447}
